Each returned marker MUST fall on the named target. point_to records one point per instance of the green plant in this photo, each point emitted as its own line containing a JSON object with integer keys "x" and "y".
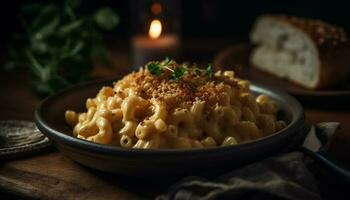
{"x": 59, "y": 44}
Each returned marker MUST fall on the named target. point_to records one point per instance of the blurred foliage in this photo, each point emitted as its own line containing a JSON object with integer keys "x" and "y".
{"x": 59, "y": 44}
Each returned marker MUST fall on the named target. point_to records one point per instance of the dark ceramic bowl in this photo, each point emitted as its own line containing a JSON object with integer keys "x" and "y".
{"x": 50, "y": 120}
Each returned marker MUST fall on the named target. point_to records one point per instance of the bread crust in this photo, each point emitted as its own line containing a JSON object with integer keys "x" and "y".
{"x": 332, "y": 44}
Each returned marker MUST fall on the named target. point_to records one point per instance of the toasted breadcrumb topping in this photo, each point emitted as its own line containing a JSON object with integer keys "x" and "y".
{"x": 194, "y": 85}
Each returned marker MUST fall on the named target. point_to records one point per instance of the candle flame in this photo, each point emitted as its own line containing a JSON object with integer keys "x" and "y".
{"x": 155, "y": 29}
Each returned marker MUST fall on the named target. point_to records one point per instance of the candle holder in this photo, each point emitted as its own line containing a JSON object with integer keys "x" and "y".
{"x": 156, "y": 27}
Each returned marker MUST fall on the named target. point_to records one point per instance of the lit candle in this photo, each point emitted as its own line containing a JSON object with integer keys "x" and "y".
{"x": 155, "y": 46}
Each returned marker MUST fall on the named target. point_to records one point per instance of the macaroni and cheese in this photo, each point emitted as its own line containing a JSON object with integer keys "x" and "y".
{"x": 171, "y": 105}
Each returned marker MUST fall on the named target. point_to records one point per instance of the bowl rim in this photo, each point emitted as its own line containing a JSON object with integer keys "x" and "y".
{"x": 296, "y": 124}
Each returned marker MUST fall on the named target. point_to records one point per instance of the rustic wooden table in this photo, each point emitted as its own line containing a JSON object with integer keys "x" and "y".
{"x": 50, "y": 175}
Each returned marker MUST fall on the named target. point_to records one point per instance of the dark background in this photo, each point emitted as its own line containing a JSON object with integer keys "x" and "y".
{"x": 197, "y": 18}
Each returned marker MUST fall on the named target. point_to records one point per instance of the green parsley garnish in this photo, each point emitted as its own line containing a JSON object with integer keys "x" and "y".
{"x": 166, "y": 61}
{"x": 156, "y": 68}
{"x": 209, "y": 71}
{"x": 178, "y": 73}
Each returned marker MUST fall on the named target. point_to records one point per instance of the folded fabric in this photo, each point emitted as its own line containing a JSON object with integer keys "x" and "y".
{"x": 282, "y": 177}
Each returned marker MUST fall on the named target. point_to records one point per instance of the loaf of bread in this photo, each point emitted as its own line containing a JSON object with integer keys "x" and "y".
{"x": 311, "y": 53}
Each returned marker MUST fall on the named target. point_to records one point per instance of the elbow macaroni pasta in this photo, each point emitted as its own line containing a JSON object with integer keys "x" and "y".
{"x": 147, "y": 111}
